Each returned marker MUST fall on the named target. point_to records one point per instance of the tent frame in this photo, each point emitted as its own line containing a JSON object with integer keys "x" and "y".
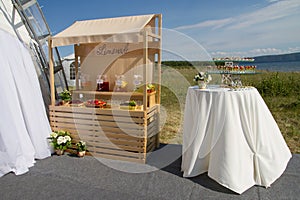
{"x": 39, "y": 41}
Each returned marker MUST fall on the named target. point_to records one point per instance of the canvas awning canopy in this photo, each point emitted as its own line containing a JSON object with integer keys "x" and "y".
{"x": 93, "y": 31}
{"x": 120, "y": 45}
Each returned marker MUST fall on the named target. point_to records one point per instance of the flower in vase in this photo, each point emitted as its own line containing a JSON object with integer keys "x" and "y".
{"x": 202, "y": 76}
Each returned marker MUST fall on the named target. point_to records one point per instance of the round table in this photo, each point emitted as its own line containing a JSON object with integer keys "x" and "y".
{"x": 232, "y": 135}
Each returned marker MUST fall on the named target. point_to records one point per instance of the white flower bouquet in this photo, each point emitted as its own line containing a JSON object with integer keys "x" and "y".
{"x": 60, "y": 140}
{"x": 202, "y": 76}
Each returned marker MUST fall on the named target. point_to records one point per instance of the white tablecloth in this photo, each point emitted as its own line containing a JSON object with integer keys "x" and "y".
{"x": 233, "y": 136}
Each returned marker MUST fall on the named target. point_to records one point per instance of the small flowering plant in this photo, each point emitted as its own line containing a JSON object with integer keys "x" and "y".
{"x": 202, "y": 76}
{"x": 66, "y": 95}
{"x": 60, "y": 140}
{"x": 81, "y": 146}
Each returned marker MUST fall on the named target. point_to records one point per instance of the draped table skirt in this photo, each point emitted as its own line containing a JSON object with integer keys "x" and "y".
{"x": 233, "y": 136}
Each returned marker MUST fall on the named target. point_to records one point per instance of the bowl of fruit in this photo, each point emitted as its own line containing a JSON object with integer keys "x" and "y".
{"x": 95, "y": 103}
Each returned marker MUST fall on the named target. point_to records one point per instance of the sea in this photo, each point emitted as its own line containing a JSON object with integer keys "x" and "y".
{"x": 293, "y": 66}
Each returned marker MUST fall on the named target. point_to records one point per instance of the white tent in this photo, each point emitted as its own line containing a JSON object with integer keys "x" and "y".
{"x": 68, "y": 62}
{"x": 24, "y": 125}
{"x": 10, "y": 21}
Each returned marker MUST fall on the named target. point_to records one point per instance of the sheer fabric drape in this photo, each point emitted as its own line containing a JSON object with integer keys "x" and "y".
{"x": 24, "y": 126}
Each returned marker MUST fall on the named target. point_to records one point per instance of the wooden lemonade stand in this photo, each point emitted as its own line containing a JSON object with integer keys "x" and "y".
{"x": 112, "y": 47}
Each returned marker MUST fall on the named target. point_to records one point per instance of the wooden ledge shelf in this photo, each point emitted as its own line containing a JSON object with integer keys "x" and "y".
{"x": 122, "y": 96}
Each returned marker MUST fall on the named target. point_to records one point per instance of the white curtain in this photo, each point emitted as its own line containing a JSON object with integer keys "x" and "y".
{"x": 24, "y": 126}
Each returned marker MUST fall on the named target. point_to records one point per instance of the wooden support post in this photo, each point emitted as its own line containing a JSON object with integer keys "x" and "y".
{"x": 76, "y": 69}
{"x": 159, "y": 58}
{"x": 51, "y": 73}
{"x": 145, "y": 98}
{"x": 159, "y": 79}
{"x": 145, "y": 137}
{"x": 145, "y": 67}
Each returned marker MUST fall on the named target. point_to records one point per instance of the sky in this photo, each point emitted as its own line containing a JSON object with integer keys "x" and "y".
{"x": 221, "y": 28}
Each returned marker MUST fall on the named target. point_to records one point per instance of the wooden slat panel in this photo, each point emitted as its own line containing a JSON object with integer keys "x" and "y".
{"x": 122, "y": 129}
{"x": 72, "y": 120}
{"x": 113, "y": 141}
{"x": 116, "y": 112}
{"x": 151, "y": 143}
{"x": 115, "y": 152}
{"x": 97, "y": 142}
{"x": 152, "y": 128}
{"x": 131, "y": 113}
{"x": 55, "y": 116}
{"x": 116, "y": 147}
{"x": 72, "y": 115}
{"x": 97, "y": 124}
{"x": 137, "y": 120}
{"x": 118, "y": 137}
{"x": 151, "y": 147}
{"x": 121, "y": 125}
{"x": 151, "y": 139}
{"x": 152, "y": 111}
{"x": 109, "y": 133}
{"x": 72, "y": 126}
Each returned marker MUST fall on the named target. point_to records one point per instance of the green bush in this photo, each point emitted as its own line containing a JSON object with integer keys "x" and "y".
{"x": 276, "y": 84}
